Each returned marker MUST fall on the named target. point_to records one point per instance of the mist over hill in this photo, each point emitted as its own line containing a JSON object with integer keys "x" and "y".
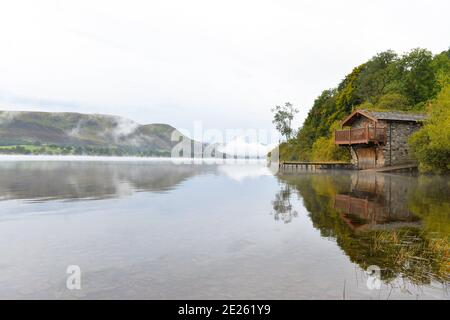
{"x": 84, "y": 133}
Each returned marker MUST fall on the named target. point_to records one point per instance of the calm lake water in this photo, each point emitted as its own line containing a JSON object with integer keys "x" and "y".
{"x": 159, "y": 230}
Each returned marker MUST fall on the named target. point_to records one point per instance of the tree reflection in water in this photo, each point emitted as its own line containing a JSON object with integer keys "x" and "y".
{"x": 282, "y": 206}
{"x": 399, "y": 223}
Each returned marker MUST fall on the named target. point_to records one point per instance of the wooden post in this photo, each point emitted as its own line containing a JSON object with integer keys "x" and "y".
{"x": 367, "y": 133}
{"x": 375, "y": 131}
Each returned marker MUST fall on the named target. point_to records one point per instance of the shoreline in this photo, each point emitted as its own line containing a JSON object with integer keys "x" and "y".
{"x": 88, "y": 158}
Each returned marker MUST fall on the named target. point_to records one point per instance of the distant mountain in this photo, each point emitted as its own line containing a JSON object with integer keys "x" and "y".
{"x": 85, "y": 132}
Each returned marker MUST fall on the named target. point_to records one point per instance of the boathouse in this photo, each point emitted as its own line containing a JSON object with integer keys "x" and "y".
{"x": 378, "y": 139}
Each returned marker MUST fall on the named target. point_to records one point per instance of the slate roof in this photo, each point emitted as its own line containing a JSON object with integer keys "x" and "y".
{"x": 385, "y": 115}
{"x": 396, "y": 116}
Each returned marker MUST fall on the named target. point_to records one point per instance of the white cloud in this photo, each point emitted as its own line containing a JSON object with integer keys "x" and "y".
{"x": 223, "y": 62}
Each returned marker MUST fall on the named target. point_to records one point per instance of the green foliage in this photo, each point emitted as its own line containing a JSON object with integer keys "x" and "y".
{"x": 441, "y": 67}
{"x": 347, "y": 95}
{"x": 377, "y": 76}
{"x": 324, "y": 148}
{"x": 316, "y": 125}
{"x": 393, "y": 101}
{"x": 292, "y": 152}
{"x": 81, "y": 150}
{"x": 431, "y": 144}
{"x": 416, "y": 75}
{"x": 386, "y": 82}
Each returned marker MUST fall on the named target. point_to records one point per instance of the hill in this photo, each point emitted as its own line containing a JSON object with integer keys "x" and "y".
{"x": 76, "y": 133}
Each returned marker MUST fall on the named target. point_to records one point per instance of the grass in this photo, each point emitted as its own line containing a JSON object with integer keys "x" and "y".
{"x": 35, "y": 149}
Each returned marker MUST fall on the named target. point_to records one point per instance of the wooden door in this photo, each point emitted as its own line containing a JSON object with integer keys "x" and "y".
{"x": 366, "y": 158}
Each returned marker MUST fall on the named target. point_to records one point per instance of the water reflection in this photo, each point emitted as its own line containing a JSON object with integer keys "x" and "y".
{"x": 175, "y": 231}
{"x": 282, "y": 206}
{"x": 375, "y": 202}
{"x": 61, "y": 180}
{"x": 399, "y": 223}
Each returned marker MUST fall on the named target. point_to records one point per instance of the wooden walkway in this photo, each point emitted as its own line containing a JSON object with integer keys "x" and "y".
{"x": 314, "y": 165}
{"x": 287, "y": 166}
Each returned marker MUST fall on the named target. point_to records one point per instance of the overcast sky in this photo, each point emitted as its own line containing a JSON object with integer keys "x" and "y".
{"x": 225, "y": 63}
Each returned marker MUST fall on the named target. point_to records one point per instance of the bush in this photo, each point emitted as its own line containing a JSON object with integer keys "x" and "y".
{"x": 431, "y": 144}
{"x": 324, "y": 149}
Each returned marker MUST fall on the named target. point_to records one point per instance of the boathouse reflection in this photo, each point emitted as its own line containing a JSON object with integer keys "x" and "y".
{"x": 375, "y": 202}
{"x": 395, "y": 222}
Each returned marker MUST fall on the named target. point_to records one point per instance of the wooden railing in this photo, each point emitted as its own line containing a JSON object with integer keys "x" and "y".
{"x": 360, "y": 135}
{"x": 352, "y": 206}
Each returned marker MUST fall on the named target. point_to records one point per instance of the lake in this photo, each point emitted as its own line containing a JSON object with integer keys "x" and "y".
{"x": 162, "y": 230}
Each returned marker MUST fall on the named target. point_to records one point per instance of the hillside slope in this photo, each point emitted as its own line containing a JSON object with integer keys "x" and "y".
{"x": 83, "y": 131}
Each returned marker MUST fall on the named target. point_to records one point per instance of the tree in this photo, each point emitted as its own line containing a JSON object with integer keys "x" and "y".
{"x": 431, "y": 144}
{"x": 283, "y": 117}
{"x": 347, "y": 95}
{"x": 441, "y": 67}
{"x": 418, "y": 80}
{"x": 376, "y": 76}
{"x": 393, "y": 101}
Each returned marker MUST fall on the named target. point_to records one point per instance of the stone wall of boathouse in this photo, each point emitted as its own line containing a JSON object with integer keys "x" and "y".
{"x": 396, "y": 150}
